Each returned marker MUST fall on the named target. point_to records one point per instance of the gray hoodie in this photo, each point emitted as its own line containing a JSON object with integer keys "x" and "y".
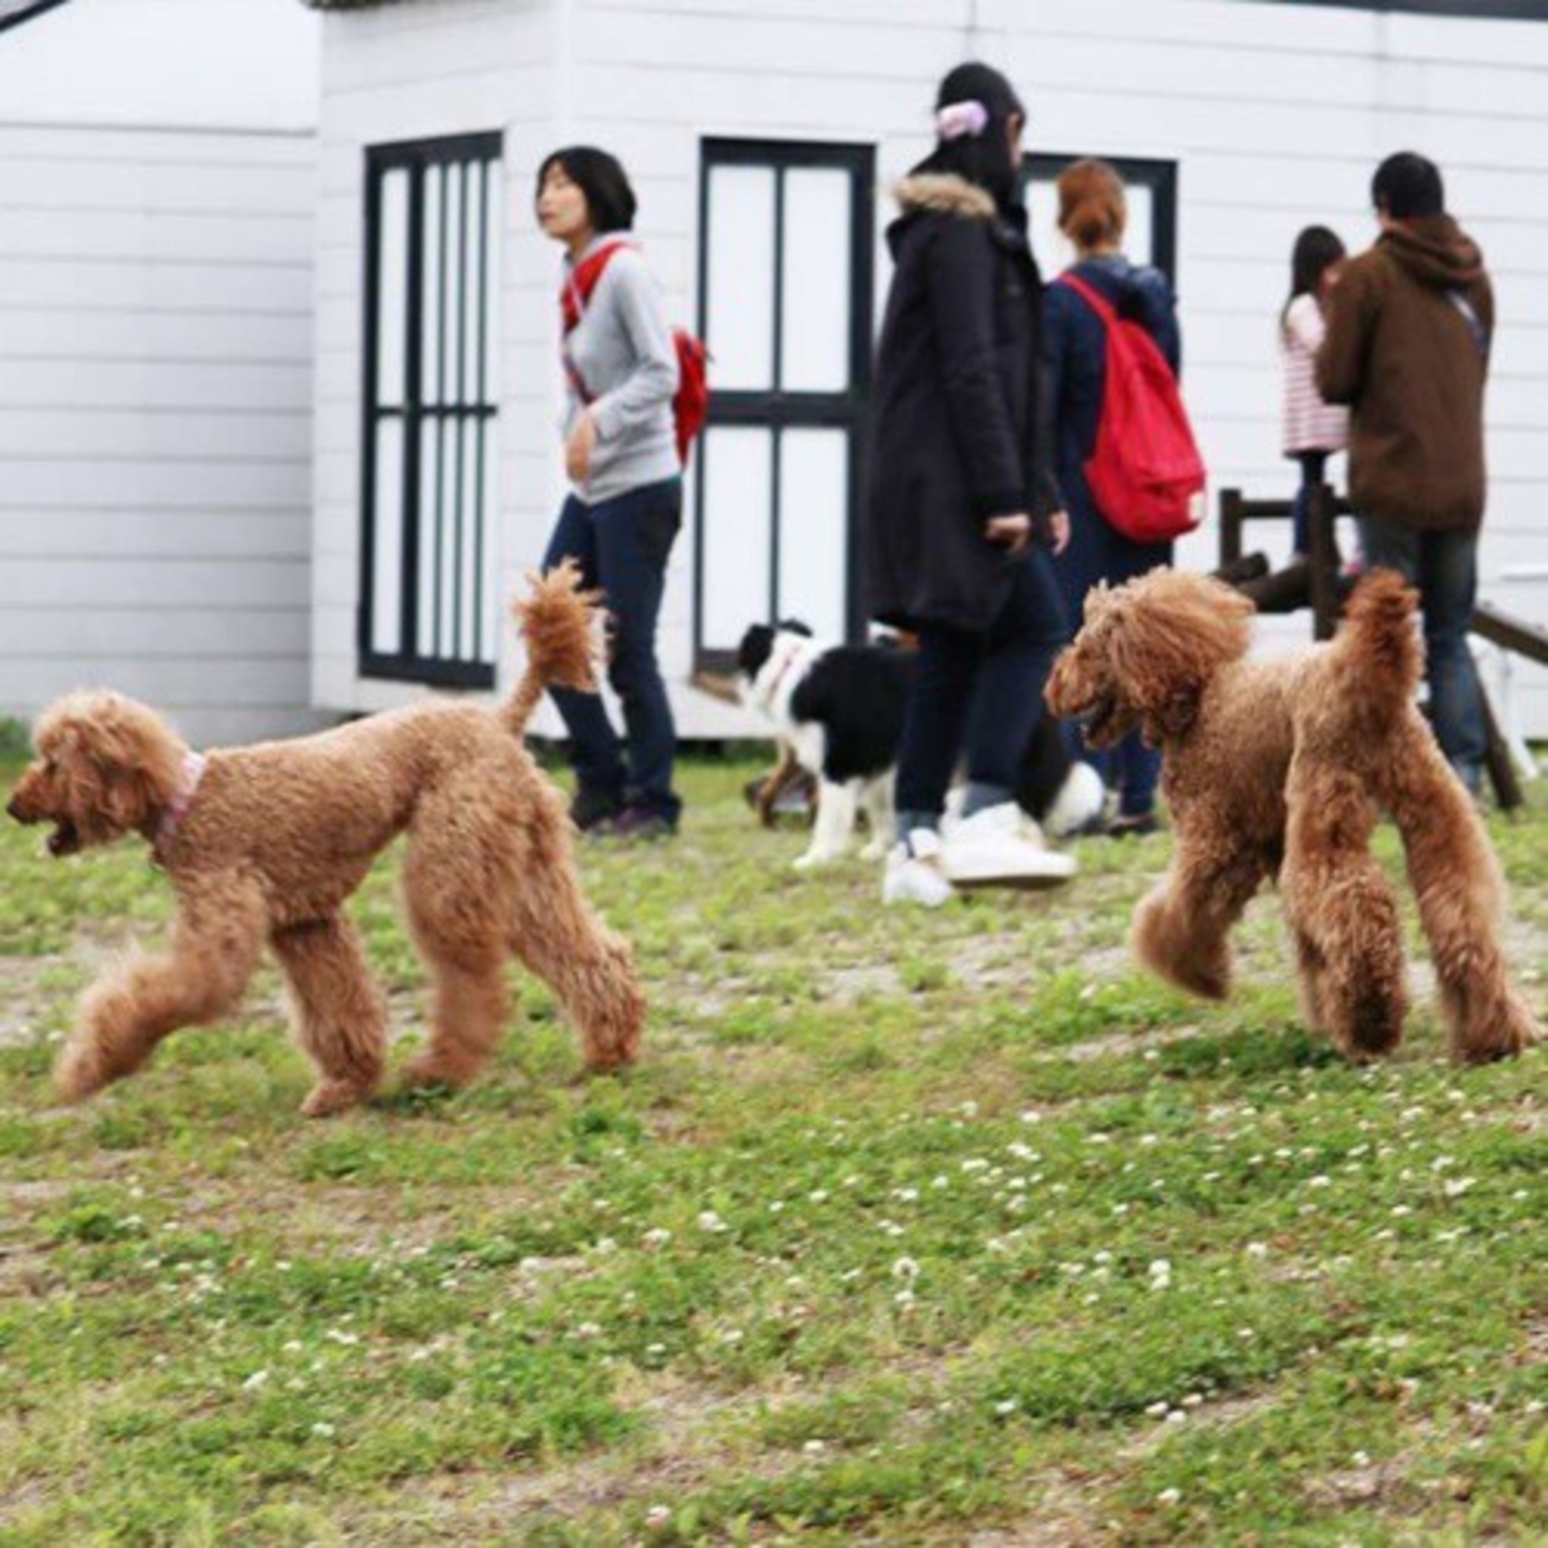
{"x": 623, "y": 351}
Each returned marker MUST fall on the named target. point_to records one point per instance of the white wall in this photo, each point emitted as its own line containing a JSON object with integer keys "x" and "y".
{"x": 157, "y": 174}
{"x": 414, "y": 72}
{"x": 1276, "y": 114}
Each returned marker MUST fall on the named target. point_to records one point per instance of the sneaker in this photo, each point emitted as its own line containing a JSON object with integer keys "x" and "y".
{"x": 1077, "y": 808}
{"x": 1002, "y": 847}
{"x": 638, "y": 822}
{"x": 1133, "y": 825}
{"x": 593, "y": 807}
{"x": 913, "y": 873}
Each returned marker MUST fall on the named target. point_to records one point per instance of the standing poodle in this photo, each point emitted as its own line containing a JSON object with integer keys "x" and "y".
{"x": 263, "y": 845}
{"x": 1277, "y": 769}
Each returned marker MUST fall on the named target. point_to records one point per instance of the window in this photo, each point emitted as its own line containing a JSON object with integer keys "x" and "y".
{"x": 427, "y": 613}
{"x": 785, "y": 259}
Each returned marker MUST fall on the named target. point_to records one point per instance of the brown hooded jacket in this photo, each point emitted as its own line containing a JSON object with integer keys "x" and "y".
{"x": 1407, "y": 347}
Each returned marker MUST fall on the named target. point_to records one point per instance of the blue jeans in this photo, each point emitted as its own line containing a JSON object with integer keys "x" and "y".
{"x": 1313, "y": 465}
{"x": 622, "y": 546}
{"x": 1098, "y": 552}
{"x": 985, "y": 689}
{"x": 1444, "y": 566}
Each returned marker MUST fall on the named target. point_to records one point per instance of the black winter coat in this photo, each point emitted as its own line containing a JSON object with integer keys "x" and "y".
{"x": 957, "y": 424}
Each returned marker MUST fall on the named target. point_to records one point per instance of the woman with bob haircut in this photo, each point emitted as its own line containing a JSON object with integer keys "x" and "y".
{"x": 1093, "y": 215}
{"x": 625, "y": 505}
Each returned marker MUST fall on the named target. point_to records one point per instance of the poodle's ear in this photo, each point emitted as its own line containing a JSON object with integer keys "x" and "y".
{"x": 127, "y": 762}
{"x": 1168, "y": 637}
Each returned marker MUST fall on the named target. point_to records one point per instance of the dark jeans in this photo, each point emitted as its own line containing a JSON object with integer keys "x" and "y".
{"x": 986, "y": 689}
{"x": 1098, "y": 552}
{"x": 1444, "y": 566}
{"x": 1313, "y": 465}
{"x": 622, "y": 546}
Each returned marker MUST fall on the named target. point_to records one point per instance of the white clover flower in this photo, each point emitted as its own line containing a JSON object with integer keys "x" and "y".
{"x": 1322, "y": 1180}
{"x": 1009, "y": 1406}
{"x": 1193, "y": 1400}
{"x": 1176, "y": 1416}
{"x": 1455, "y": 1190}
{"x": 1169, "y": 1497}
{"x": 1030, "y": 1116}
{"x": 905, "y": 1300}
{"x": 255, "y": 1381}
{"x": 1157, "y": 1410}
{"x": 1257, "y": 1249}
{"x": 1021, "y": 1152}
{"x": 969, "y": 1109}
{"x": 815, "y": 1448}
{"x": 323, "y": 1430}
{"x": 731, "y": 1336}
{"x": 657, "y": 1236}
{"x": 655, "y": 1350}
{"x": 905, "y": 1268}
{"x": 818, "y": 1196}
{"x": 658, "y": 1516}
{"x": 940, "y": 1181}
{"x": 711, "y": 1222}
{"x": 975, "y": 1164}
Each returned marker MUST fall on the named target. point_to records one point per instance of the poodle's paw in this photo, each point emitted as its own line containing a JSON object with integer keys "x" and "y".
{"x": 428, "y": 1070}
{"x": 81, "y": 1074}
{"x": 328, "y": 1097}
{"x": 1503, "y": 1036}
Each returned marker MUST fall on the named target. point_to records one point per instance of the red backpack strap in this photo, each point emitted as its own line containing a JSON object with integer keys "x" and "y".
{"x": 1090, "y": 295}
{"x": 580, "y": 281}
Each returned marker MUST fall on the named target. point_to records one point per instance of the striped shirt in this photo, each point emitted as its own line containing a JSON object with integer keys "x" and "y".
{"x": 1310, "y": 424}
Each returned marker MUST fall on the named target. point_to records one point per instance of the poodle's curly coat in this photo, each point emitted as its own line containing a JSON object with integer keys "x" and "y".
{"x": 1277, "y": 769}
{"x": 264, "y": 846}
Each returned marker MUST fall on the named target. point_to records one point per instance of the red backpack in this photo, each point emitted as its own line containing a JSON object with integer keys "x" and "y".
{"x": 1145, "y": 470}
{"x": 690, "y": 405}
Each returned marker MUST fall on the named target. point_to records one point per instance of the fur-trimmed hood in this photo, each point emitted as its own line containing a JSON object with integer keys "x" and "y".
{"x": 943, "y": 193}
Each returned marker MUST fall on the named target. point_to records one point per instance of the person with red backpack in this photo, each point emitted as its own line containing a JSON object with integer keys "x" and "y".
{"x": 635, "y": 398}
{"x": 1125, "y": 456}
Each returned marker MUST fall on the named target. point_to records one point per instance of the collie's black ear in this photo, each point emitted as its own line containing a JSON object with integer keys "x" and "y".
{"x": 793, "y": 626}
{"x": 754, "y": 649}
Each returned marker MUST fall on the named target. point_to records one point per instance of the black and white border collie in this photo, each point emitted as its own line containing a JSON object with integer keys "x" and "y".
{"x": 839, "y": 710}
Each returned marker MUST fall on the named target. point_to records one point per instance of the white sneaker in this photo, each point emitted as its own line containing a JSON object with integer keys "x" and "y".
{"x": 1001, "y": 847}
{"x": 914, "y": 874}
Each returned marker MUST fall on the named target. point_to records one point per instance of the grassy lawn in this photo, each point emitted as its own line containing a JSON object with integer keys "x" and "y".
{"x": 908, "y": 1227}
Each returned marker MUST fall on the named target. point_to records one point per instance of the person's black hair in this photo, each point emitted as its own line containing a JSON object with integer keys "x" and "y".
{"x": 1315, "y": 249}
{"x": 1408, "y": 186}
{"x": 600, "y": 176}
{"x": 983, "y": 159}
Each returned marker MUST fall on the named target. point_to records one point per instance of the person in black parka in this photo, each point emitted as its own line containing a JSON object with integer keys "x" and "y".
{"x": 961, "y": 504}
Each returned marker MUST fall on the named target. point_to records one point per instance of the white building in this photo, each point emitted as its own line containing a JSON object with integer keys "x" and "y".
{"x": 197, "y": 296}
{"x": 757, "y": 132}
{"x": 157, "y": 172}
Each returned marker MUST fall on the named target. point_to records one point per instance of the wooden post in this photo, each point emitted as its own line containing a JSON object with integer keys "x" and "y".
{"x": 1323, "y": 561}
{"x": 1230, "y": 526}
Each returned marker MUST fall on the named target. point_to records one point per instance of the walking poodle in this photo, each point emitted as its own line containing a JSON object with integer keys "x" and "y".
{"x": 263, "y": 845}
{"x": 1276, "y": 769}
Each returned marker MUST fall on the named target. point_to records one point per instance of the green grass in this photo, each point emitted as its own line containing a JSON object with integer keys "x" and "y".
{"x": 907, "y": 1226}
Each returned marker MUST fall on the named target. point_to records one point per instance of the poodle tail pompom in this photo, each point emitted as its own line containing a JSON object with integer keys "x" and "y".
{"x": 1378, "y": 641}
{"x": 560, "y": 626}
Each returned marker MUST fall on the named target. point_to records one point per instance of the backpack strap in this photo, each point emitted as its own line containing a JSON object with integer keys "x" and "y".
{"x": 582, "y": 279}
{"x": 1090, "y": 295}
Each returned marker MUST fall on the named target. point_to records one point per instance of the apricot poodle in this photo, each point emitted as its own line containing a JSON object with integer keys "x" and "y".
{"x": 1277, "y": 770}
{"x": 263, "y": 845}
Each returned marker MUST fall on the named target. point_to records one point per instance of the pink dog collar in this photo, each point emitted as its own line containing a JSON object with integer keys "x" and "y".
{"x": 177, "y": 809}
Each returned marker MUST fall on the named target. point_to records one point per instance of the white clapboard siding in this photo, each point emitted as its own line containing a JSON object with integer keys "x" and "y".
{"x": 1274, "y": 114}
{"x": 157, "y": 169}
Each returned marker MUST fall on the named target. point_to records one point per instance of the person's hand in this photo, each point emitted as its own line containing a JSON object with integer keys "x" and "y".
{"x": 1013, "y": 533}
{"x": 1059, "y": 531}
{"x": 578, "y": 449}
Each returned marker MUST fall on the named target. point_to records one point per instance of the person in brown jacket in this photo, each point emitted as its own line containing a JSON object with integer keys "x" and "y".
{"x": 1407, "y": 348}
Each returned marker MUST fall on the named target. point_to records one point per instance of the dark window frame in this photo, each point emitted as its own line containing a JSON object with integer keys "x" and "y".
{"x": 32, "y": 13}
{"x": 1159, "y": 176}
{"x": 1470, "y": 10}
{"x": 482, "y": 151}
{"x": 777, "y": 410}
